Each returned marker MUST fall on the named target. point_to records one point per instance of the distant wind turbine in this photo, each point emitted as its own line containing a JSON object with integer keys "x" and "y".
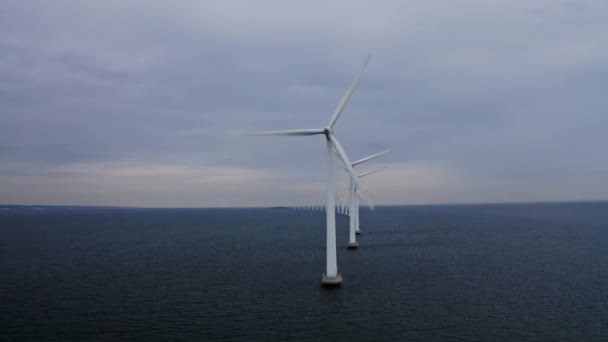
{"x": 331, "y": 276}
{"x": 354, "y": 227}
{"x": 354, "y": 200}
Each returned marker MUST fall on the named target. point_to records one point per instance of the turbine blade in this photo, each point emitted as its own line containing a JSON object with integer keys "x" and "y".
{"x": 370, "y": 172}
{"x": 340, "y": 159}
{"x": 363, "y": 160}
{"x": 348, "y": 94}
{"x": 290, "y": 132}
{"x": 344, "y": 158}
{"x": 363, "y": 194}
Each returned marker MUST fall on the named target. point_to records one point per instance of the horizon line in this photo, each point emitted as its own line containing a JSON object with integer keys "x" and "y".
{"x": 7, "y": 205}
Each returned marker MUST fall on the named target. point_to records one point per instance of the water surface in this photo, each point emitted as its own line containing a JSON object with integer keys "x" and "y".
{"x": 423, "y": 273}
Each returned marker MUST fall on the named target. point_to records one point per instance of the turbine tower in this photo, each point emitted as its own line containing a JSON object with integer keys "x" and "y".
{"x": 331, "y": 276}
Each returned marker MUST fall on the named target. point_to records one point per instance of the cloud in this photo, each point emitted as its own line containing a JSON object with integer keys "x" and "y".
{"x": 499, "y": 96}
{"x": 137, "y": 184}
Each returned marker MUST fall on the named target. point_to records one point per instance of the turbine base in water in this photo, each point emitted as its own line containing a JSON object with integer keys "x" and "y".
{"x": 353, "y": 245}
{"x": 331, "y": 280}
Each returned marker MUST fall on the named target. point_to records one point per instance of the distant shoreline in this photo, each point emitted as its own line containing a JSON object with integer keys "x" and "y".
{"x": 35, "y": 206}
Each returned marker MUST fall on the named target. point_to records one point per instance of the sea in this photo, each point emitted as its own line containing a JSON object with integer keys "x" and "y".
{"x": 508, "y": 272}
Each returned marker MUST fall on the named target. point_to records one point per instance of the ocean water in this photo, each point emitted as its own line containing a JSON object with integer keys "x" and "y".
{"x": 529, "y": 272}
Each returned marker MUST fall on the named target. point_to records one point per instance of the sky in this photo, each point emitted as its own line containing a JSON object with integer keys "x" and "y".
{"x": 144, "y": 103}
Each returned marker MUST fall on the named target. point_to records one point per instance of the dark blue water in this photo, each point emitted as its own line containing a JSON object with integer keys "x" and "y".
{"x": 427, "y": 273}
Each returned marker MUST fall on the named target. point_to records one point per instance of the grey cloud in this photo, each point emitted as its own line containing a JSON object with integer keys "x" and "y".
{"x": 508, "y": 91}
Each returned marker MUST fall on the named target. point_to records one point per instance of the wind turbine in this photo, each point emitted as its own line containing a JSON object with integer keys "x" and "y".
{"x": 331, "y": 276}
{"x": 354, "y": 200}
{"x": 341, "y": 204}
{"x": 354, "y": 217}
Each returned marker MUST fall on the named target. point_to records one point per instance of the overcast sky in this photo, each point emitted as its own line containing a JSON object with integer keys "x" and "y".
{"x": 142, "y": 103}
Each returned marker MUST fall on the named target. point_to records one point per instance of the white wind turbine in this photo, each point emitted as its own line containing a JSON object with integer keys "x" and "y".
{"x": 331, "y": 276}
{"x": 353, "y": 204}
{"x": 354, "y": 227}
{"x": 341, "y": 204}
{"x": 338, "y": 201}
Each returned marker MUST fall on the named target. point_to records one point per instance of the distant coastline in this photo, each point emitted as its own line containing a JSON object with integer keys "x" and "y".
{"x": 74, "y": 207}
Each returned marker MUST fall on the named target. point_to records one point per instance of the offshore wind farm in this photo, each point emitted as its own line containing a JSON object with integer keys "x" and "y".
{"x": 134, "y": 207}
{"x": 332, "y": 146}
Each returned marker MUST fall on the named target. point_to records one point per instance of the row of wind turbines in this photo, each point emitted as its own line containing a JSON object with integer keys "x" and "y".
{"x": 333, "y": 147}
{"x": 342, "y": 201}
